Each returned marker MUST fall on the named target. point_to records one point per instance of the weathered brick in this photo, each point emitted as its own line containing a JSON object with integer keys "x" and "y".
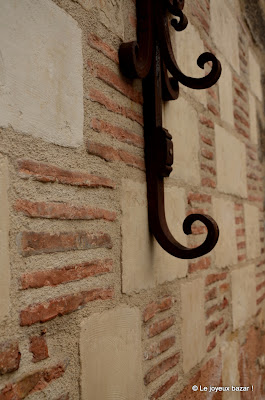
{"x": 50, "y": 173}
{"x": 110, "y": 154}
{"x": 208, "y": 182}
{"x": 32, "y": 243}
{"x": 203, "y": 263}
{"x": 160, "y": 326}
{"x": 155, "y": 307}
{"x": 207, "y": 154}
{"x": 38, "y": 348}
{"x": 56, "y": 276}
{"x": 117, "y": 132}
{"x": 116, "y": 81}
{"x": 97, "y": 43}
{"x": 99, "y": 97}
{"x": 213, "y": 109}
{"x": 224, "y": 304}
{"x": 31, "y": 383}
{"x": 9, "y": 357}
{"x": 207, "y": 140}
{"x": 222, "y": 331}
{"x": 198, "y": 197}
{"x": 164, "y": 388}
{"x": 64, "y": 397}
{"x": 158, "y": 348}
{"x": 211, "y": 345}
{"x": 260, "y": 299}
{"x": 208, "y": 168}
{"x": 241, "y": 130}
{"x": 211, "y": 310}
{"x": 241, "y": 119}
{"x": 211, "y": 294}
{"x": 206, "y": 121}
{"x": 213, "y": 325}
{"x": 62, "y": 210}
{"x": 161, "y": 368}
{"x": 214, "y": 278}
{"x": 42, "y": 312}
{"x": 224, "y": 287}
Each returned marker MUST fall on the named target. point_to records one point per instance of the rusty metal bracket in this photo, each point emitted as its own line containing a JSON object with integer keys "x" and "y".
{"x": 151, "y": 58}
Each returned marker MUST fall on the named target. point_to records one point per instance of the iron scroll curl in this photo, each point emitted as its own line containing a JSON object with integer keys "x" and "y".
{"x": 151, "y": 58}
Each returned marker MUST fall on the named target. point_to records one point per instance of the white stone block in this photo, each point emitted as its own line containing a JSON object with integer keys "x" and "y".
{"x": 254, "y": 74}
{"x": 224, "y": 32}
{"x": 231, "y": 163}
{"x": 226, "y": 248}
{"x": 243, "y": 295}
{"x": 181, "y": 120}
{"x": 253, "y": 119}
{"x": 226, "y": 94}
{"x": 252, "y": 231}
{"x": 188, "y": 46}
{"x": 230, "y": 373}
{"x": 4, "y": 240}
{"x": 110, "y": 352}
{"x": 144, "y": 262}
{"x": 41, "y": 66}
{"x": 110, "y": 13}
{"x": 193, "y": 323}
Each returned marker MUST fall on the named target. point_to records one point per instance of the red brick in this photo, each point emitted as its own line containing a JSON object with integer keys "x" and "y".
{"x": 215, "y": 277}
{"x": 224, "y": 329}
{"x": 206, "y": 121}
{"x": 224, "y": 304}
{"x": 161, "y": 368}
{"x": 241, "y": 95}
{"x": 240, "y": 232}
{"x": 208, "y": 168}
{"x": 211, "y": 310}
{"x": 207, "y": 154}
{"x": 97, "y": 43}
{"x": 64, "y": 397}
{"x": 212, "y": 93}
{"x": 115, "y": 81}
{"x": 239, "y": 220}
{"x": 208, "y": 182}
{"x": 62, "y": 211}
{"x": 160, "y": 326}
{"x": 211, "y": 345}
{"x": 241, "y": 131}
{"x": 197, "y": 211}
{"x": 32, "y": 243}
{"x": 207, "y": 140}
{"x": 241, "y": 84}
{"x": 117, "y": 132}
{"x": 213, "y": 325}
{"x": 38, "y": 348}
{"x": 238, "y": 207}
{"x": 213, "y": 109}
{"x": 203, "y": 263}
{"x": 110, "y": 154}
{"x": 50, "y": 173}
{"x": 158, "y": 348}
{"x": 241, "y": 245}
{"x": 9, "y": 357}
{"x": 241, "y": 257}
{"x": 241, "y": 119}
{"x": 241, "y": 107}
{"x": 110, "y": 105}
{"x": 156, "y": 307}
{"x": 42, "y": 312}
{"x": 212, "y": 294}
{"x": 209, "y": 374}
{"x": 200, "y": 198}
{"x": 164, "y": 388}
{"x": 31, "y": 383}
{"x": 261, "y": 298}
{"x": 54, "y": 277}
{"x": 224, "y": 287}
{"x": 133, "y": 21}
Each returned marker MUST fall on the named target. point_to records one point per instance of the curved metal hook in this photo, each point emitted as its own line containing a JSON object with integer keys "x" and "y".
{"x": 169, "y": 58}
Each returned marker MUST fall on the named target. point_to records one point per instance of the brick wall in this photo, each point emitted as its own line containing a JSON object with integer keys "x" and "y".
{"x": 90, "y": 306}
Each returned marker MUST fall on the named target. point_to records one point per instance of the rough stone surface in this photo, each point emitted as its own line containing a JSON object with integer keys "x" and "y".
{"x": 253, "y": 119}
{"x": 231, "y": 163}
{"x": 4, "y": 239}
{"x": 224, "y": 215}
{"x": 243, "y": 306}
{"x": 254, "y": 74}
{"x": 193, "y": 323}
{"x": 187, "y": 56}
{"x": 181, "y": 120}
{"x": 226, "y": 94}
{"x": 224, "y": 32}
{"x": 109, "y": 13}
{"x": 252, "y": 231}
{"x": 42, "y": 87}
{"x": 144, "y": 262}
{"x": 110, "y": 348}
{"x": 230, "y": 373}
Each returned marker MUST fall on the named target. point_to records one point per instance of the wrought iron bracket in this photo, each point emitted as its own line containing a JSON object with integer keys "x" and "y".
{"x": 151, "y": 58}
